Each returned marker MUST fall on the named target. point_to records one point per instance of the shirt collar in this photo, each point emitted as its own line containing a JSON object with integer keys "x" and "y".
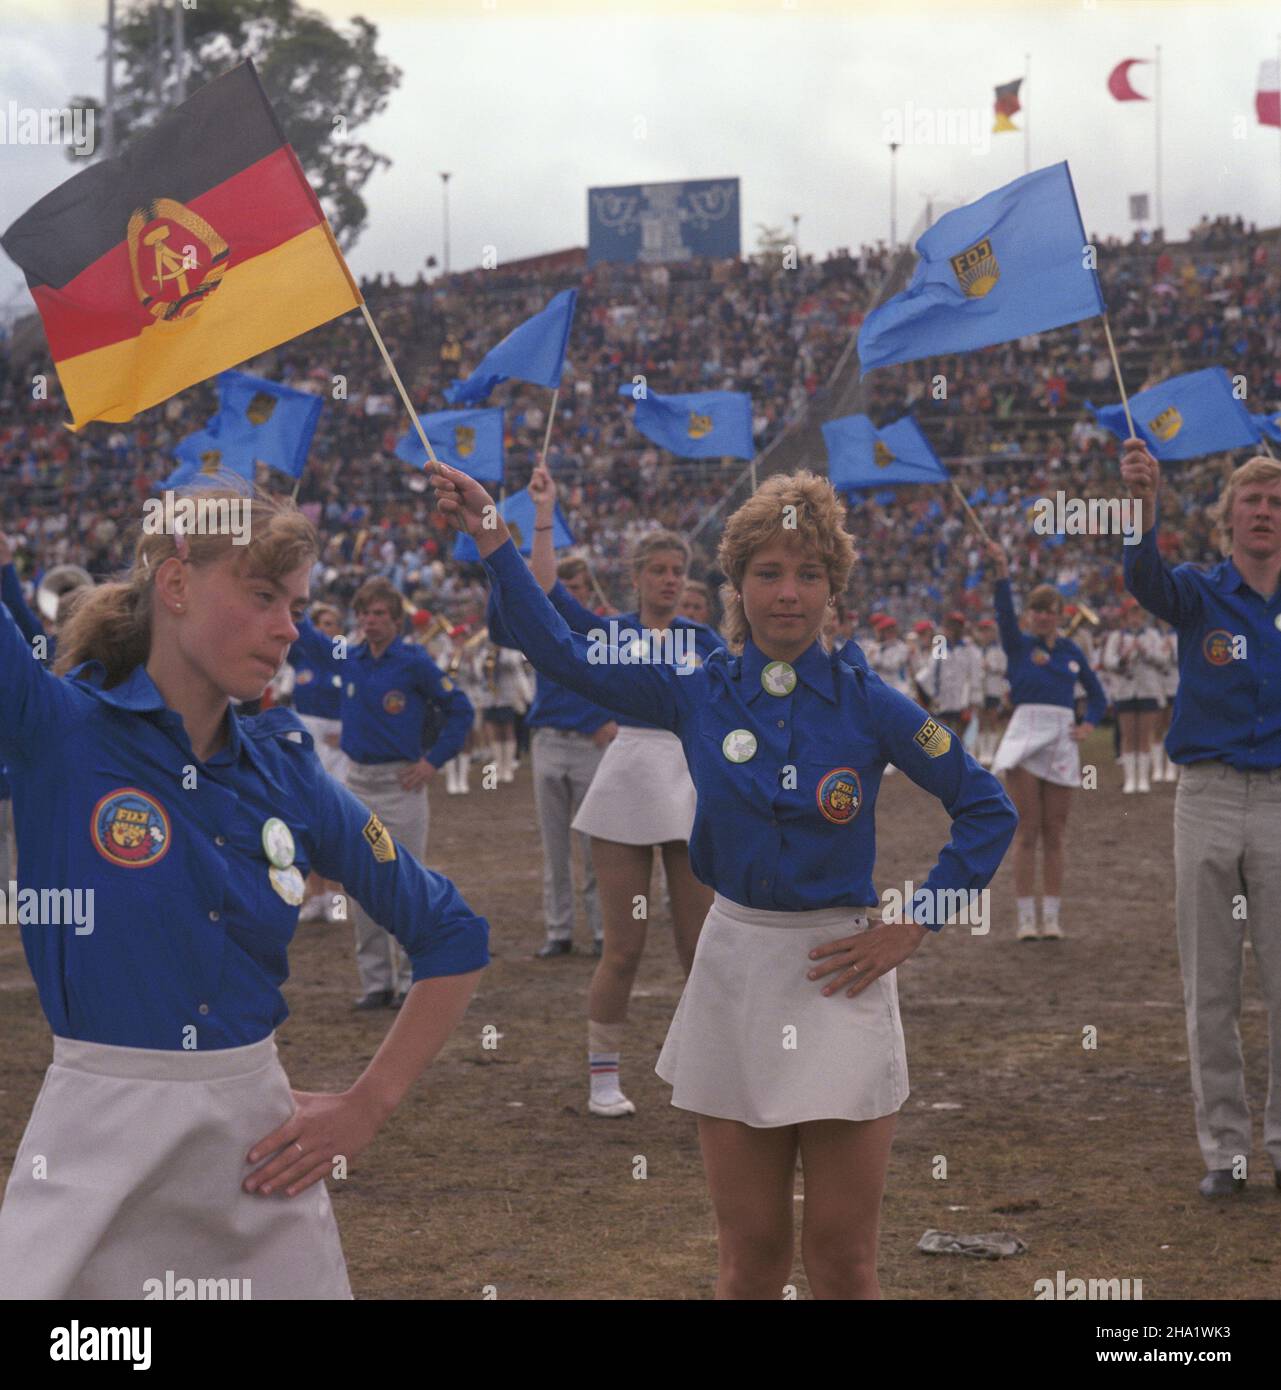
{"x": 813, "y": 666}
{"x": 138, "y": 694}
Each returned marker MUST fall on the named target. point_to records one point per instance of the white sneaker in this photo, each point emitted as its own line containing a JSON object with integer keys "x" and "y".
{"x": 612, "y": 1106}
{"x": 313, "y": 910}
{"x": 1028, "y": 932}
{"x": 1051, "y": 931}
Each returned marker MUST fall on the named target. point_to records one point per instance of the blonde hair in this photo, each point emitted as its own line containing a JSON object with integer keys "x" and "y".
{"x": 820, "y": 526}
{"x": 654, "y": 541}
{"x": 1045, "y": 596}
{"x": 1258, "y": 469}
{"x": 112, "y": 622}
{"x": 379, "y": 590}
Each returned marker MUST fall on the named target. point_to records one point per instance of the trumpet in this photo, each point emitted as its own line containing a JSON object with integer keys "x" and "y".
{"x": 56, "y": 585}
{"x": 1084, "y": 614}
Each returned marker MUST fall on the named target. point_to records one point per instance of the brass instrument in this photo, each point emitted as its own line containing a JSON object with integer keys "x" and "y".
{"x": 1084, "y": 614}
{"x": 56, "y": 585}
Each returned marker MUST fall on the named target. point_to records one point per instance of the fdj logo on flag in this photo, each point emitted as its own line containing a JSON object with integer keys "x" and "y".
{"x": 261, "y": 408}
{"x": 700, "y": 426}
{"x": 464, "y": 440}
{"x": 1167, "y": 424}
{"x": 882, "y": 454}
{"x": 176, "y": 258}
{"x": 976, "y": 269}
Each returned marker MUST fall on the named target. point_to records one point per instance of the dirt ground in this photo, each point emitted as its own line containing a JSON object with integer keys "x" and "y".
{"x": 492, "y": 1173}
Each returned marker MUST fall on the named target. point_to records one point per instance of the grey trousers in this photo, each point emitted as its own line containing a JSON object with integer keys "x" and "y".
{"x": 380, "y": 959}
{"x": 1227, "y": 855}
{"x": 564, "y": 764}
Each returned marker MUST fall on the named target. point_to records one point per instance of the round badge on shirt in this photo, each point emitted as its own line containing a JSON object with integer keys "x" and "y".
{"x": 1276, "y": 622}
{"x": 1074, "y": 666}
{"x": 778, "y": 678}
{"x": 288, "y": 883}
{"x": 278, "y": 843}
{"x": 739, "y": 745}
{"x": 1039, "y": 656}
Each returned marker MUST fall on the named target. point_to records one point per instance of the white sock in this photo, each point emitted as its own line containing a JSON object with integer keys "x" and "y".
{"x": 464, "y": 763}
{"x": 1142, "y": 761}
{"x": 1050, "y": 911}
{"x": 1154, "y": 761}
{"x": 604, "y": 1068}
{"x": 1027, "y": 911}
{"x": 1127, "y": 766}
{"x": 505, "y": 771}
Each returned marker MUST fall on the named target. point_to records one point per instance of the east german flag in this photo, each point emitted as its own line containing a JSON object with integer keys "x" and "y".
{"x": 199, "y": 247}
{"x": 1006, "y": 104}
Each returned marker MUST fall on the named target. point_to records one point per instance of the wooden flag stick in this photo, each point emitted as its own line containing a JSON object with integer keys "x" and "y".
{"x": 547, "y": 437}
{"x": 1263, "y": 440}
{"x": 400, "y": 385}
{"x": 969, "y": 511}
{"x": 1116, "y": 367}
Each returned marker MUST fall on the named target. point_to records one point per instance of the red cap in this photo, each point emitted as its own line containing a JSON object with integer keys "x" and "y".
{"x": 923, "y": 626}
{"x": 1129, "y": 603}
{"x": 422, "y": 618}
{"x": 886, "y": 621}
{"x": 987, "y": 622}
{"x": 459, "y": 631}
{"x": 955, "y": 617}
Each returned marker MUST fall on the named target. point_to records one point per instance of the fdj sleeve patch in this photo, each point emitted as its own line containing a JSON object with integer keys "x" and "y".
{"x": 383, "y": 846}
{"x": 933, "y": 738}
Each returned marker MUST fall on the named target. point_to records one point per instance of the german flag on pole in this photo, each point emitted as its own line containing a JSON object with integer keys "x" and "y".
{"x": 201, "y": 246}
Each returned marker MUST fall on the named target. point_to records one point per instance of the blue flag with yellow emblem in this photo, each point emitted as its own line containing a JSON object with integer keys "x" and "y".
{"x": 207, "y": 452}
{"x": 1184, "y": 417}
{"x": 533, "y": 351}
{"x": 697, "y": 425}
{"x": 861, "y": 456}
{"x": 1013, "y": 263}
{"x": 469, "y": 440}
{"x": 274, "y": 423}
{"x": 518, "y": 512}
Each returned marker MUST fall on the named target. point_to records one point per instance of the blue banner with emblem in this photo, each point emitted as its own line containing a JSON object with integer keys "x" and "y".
{"x": 205, "y": 454}
{"x": 518, "y": 512}
{"x": 1013, "y": 263}
{"x": 273, "y": 422}
{"x": 1184, "y": 417}
{"x": 533, "y": 351}
{"x": 1269, "y": 424}
{"x": 469, "y": 440}
{"x": 861, "y": 456}
{"x": 661, "y": 222}
{"x": 696, "y": 425}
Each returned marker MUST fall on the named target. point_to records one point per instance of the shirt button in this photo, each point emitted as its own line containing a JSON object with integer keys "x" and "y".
{"x": 204, "y": 1008}
{"x": 781, "y": 724}
{"x": 213, "y": 916}
{"x": 220, "y": 839}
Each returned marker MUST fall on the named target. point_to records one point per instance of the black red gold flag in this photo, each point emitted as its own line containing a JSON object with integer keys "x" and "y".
{"x": 1007, "y": 103}
{"x": 199, "y": 247}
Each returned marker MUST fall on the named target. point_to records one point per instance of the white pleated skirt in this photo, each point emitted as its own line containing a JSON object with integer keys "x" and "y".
{"x": 641, "y": 793}
{"x": 333, "y": 760}
{"x": 754, "y": 1039}
{"x": 130, "y": 1173}
{"x": 1039, "y": 738}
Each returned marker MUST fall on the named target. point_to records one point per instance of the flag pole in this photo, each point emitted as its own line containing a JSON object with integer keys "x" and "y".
{"x": 969, "y": 511}
{"x": 547, "y": 437}
{"x": 400, "y": 385}
{"x": 1027, "y": 120}
{"x": 1160, "y": 215}
{"x": 1116, "y": 367}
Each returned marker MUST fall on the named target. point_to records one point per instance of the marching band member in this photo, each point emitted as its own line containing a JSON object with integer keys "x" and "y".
{"x": 1039, "y": 753}
{"x": 1226, "y": 734}
{"x": 786, "y": 744}
{"x": 171, "y": 1137}
{"x": 388, "y": 684}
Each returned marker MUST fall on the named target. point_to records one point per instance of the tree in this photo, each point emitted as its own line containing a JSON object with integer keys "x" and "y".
{"x": 323, "y": 82}
{"x": 771, "y": 242}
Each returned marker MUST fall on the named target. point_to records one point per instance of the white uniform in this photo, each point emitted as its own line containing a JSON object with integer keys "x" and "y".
{"x": 1135, "y": 660}
{"x": 994, "y": 662}
{"x": 892, "y": 660}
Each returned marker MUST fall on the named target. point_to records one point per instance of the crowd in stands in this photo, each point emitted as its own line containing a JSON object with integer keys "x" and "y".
{"x": 1009, "y": 422}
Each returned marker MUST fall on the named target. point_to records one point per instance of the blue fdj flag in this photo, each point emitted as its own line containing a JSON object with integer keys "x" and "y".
{"x": 698, "y": 425}
{"x": 532, "y": 351}
{"x": 861, "y": 456}
{"x": 207, "y": 452}
{"x": 273, "y": 423}
{"x": 1185, "y": 417}
{"x": 469, "y": 440}
{"x": 1013, "y": 263}
{"x": 1269, "y": 425}
{"x": 518, "y": 512}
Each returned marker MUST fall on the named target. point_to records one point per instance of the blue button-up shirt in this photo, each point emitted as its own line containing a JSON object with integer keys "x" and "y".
{"x": 791, "y": 827}
{"x": 1229, "y": 701}
{"x": 385, "y": 699}
{"x": 317, "y": 690}
{"x": 189, "y": 937}
{"x": 1051, "y": 681}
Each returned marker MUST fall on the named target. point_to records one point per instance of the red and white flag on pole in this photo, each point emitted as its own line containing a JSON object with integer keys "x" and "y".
{"x": 1267, "y": 101}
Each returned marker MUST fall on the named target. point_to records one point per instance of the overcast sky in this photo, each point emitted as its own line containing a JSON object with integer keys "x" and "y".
{"x": 530, "y": 102}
